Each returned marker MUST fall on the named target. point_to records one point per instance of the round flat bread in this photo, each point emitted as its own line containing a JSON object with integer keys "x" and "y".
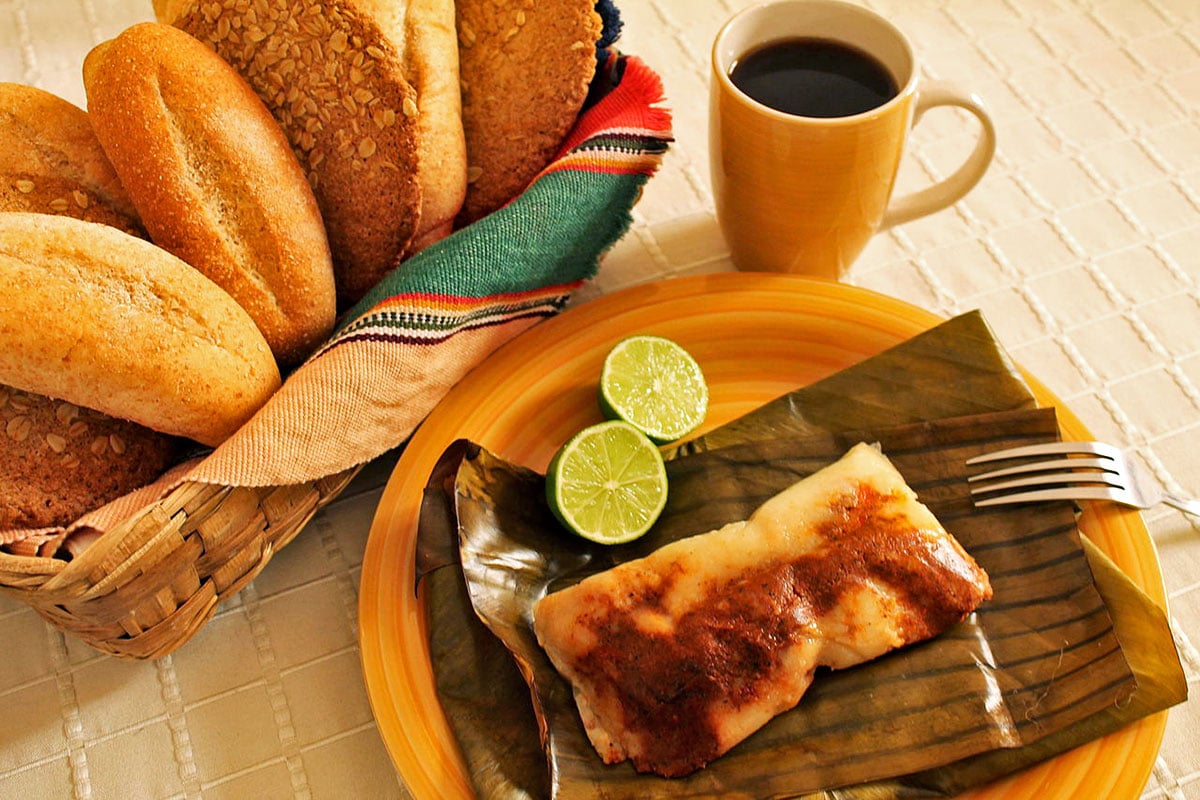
{"x": 525, "y": 68}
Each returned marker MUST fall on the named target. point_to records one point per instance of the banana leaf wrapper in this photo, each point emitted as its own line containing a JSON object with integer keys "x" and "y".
{"x": 1038, "y": 670}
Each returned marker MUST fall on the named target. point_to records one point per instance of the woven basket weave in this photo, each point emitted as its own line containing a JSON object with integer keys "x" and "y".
{"x": 151, "y": 582}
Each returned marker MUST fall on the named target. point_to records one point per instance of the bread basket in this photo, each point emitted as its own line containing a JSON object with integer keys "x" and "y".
{"x": 166, "y": 558}
{"x": 150, "y": 582}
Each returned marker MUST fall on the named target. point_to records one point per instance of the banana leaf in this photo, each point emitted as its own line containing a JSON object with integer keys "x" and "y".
{"x": 954, "y": 369}
{"x": 995, "y": 694}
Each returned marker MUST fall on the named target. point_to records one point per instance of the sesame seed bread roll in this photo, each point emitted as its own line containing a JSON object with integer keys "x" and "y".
{"x": 52, "y": 163}
{"x": 214, "y": 179}
{"x": 107, "y": 321}
{"x": 336, "y": 85}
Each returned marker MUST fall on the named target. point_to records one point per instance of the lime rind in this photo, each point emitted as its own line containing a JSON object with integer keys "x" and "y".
{"x": 608, "y": 483}
{"x": 654, "y": 384}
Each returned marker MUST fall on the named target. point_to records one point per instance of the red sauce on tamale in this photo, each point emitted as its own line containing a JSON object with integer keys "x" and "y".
{"x": 729, "y": 647}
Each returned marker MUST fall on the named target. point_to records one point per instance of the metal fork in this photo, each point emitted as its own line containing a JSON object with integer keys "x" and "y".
{"x": 1069, "y": 471}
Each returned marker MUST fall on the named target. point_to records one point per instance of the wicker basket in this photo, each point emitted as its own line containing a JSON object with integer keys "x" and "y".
{"x": 150, "y": 583}
{"x": 152, "y": 580}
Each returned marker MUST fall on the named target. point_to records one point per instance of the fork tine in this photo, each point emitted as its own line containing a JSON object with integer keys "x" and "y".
{"x": 1050, "y": 448}
{"x": 1074, "y": 493}
{"x": 1062, "y": 479}
{"x": 1045, "y": 466}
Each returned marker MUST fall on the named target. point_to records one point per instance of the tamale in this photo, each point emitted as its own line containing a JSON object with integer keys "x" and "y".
{"x": 833, "y": 738}
{"x": 1038, "y": 657}
{"x": 676, "y": 657}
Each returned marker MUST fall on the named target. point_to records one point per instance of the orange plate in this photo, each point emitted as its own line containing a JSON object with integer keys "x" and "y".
{"x": 757, "y": 336}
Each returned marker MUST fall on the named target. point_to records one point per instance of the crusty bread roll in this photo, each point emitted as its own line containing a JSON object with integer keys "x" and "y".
{"x": 107, "y": 321}
{"x": 337, "y": 87}
{"x": 525, "y": 70}
{"x": 214, "y": 179}
{"x": 52, "y": 163}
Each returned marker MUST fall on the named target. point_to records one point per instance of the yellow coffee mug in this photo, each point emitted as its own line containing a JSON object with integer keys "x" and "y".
{"x": 804, "y": 194}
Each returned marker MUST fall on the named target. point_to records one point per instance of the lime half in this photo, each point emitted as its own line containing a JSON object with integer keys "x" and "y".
{"x": 607, "y": 483}
{"x": 655, "y": 385}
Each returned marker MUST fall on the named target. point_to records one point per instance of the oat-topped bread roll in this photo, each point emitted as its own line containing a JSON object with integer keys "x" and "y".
{"x": 525, "y": 70}
{"x": 213, "y": 179}
{"x": 361, "y": 91}
{"x": 58, "y": 461}
{"x": 107, "y": 321}
{"x": 52, "y": 163}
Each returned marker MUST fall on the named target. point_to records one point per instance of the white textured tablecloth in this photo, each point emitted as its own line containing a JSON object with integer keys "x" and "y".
{"x": 1082, "y": 246}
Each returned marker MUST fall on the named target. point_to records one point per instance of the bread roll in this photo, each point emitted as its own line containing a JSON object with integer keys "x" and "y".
{"x": 424, "y": 34}
{"x": 58, "y": 461}
{"x": 525, "y": 71}
{"x": 336, "y": 85}
{"x": 52, "y": 163}
{"x": 167, "y": 11}
{"x": 213, "y": 179}
{"x": 107, "y": 321}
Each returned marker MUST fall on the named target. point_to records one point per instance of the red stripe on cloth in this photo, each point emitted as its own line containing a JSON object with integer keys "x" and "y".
{"x": 632, "y": 104}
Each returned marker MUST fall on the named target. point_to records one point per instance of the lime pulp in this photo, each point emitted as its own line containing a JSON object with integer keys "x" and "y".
{"x": 654, "y": 384}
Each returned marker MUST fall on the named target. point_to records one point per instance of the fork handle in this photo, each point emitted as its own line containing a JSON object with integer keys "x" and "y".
{"x": 1186, "y": 506}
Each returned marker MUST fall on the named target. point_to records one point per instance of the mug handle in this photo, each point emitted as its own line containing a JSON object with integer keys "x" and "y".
{"x": 951, "y": 189}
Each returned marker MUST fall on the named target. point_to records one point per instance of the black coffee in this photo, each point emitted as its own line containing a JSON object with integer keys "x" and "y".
{"x": 814, "y": 78}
